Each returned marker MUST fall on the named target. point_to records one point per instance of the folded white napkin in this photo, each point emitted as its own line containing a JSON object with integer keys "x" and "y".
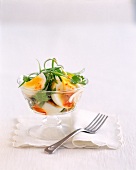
{"x": 108, "y": 136}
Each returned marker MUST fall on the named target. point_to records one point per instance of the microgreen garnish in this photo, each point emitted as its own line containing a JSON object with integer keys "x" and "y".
{"x": 54, "y": 73}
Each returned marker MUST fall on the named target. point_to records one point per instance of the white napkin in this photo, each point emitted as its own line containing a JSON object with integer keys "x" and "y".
{"x": 108, "y": 136}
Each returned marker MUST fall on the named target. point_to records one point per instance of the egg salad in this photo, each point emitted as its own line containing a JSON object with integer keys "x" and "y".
{"x": 52, "y": 90}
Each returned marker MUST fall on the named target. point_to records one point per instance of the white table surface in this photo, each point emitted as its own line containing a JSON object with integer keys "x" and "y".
{"x": 97, "y": 35}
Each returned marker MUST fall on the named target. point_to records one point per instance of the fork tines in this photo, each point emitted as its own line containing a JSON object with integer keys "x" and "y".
{"x": 97, "y": 122}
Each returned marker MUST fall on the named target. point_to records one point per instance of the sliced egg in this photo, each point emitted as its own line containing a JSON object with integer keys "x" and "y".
{"x": 51, "y": 108}
{"x": 31, "y": 87}
{"x": 62, "y": 99}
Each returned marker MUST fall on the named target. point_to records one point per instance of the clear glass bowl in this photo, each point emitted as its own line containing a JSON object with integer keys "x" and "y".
{"x": 51, "y": 104}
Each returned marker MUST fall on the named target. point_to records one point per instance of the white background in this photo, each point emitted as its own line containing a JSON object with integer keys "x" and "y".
{"x": 97, "y": 35}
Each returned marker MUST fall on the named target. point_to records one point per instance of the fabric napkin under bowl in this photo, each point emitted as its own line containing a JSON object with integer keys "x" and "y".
{"x": 108, "y": 136}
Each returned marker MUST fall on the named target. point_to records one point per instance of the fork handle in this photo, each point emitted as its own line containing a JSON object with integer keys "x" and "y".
{"x": 52, "y": 148}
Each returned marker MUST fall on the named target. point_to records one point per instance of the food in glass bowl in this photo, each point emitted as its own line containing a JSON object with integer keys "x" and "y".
{"x": 52, "y": 90}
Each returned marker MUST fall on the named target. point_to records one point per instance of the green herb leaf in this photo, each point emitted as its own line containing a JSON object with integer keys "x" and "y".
{"x": 77, "y": 79}
{"x": 84, "y": 81}
{"x": 41, "y": 104}
{"x": 26, "y": 78}
{"x": 41, "y": 96}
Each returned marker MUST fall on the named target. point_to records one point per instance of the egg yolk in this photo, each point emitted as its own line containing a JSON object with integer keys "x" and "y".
{"x": 67, "y": 85}
{"x": 36, "y": 83}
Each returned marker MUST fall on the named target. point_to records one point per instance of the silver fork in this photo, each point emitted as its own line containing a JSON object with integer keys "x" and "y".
{"x": 92, "y": 128}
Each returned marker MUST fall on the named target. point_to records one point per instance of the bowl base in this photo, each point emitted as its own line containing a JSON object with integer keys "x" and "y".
{"x": 49, "y": 133}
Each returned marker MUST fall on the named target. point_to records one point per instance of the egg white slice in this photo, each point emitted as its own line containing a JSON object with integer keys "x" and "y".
{"x": 51, "y": 108}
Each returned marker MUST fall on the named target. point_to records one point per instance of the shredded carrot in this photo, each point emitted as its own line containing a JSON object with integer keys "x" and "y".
{"x": 38, "y": 109}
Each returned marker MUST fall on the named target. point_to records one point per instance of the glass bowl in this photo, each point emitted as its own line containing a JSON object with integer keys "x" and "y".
{"x": 53, "y": 105}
